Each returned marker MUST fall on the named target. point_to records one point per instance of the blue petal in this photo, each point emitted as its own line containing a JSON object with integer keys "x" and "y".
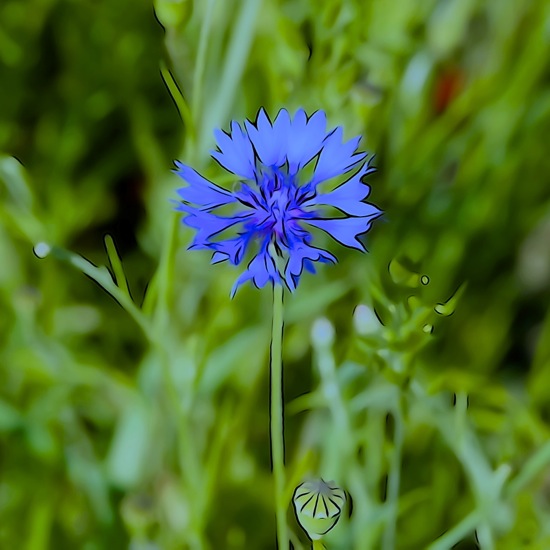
{"x": 261, "y": 270}
{"x": 235, "y": 151}
{"x": 345, "y": 230}
{"x": 249, "y": 197}
{"x": 309, "y": 266}
{"x": 231, "y": 249}
{"x": 336, "y": 157}
{"x": 207, "y": 224}
{"x": 301, "y": 257}
{"x": 201, "y": 191}
{"x": 305, "y": 138}
{"x": 269, "y": 149}
{"x": 279, "y": 136}
{"x": 348, "y": 197}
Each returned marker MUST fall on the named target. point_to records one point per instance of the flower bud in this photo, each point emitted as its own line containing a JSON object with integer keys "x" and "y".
{"x": 318, "y": 505}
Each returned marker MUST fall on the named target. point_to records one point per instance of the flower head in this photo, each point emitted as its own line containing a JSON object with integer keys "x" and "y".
{"x": 275, "y": 206}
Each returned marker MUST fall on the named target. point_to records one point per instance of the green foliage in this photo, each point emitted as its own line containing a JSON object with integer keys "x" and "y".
{"x": 134, "y": 400}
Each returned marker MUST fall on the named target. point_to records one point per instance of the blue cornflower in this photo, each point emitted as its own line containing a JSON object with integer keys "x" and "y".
{"x": 274, "y": 207}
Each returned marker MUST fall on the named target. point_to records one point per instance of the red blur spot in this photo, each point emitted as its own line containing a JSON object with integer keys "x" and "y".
{"x": 447, "y": 87}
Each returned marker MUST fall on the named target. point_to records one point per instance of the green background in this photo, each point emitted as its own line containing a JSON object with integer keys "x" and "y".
{"x": 146, "y": 426}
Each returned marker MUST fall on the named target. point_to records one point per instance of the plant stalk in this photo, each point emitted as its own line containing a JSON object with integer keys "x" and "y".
{"x": 277, "y": 418}
{"x": 394, "y": 481}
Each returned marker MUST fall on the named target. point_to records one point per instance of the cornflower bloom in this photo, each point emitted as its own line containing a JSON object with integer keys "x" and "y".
{"x": 275, "y": 208}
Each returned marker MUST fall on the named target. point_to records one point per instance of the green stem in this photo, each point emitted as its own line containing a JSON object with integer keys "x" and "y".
{"x": 104, "y": 279}
{"x": 200, "y": 63}
{"x": 276, "y": 418}
{"x": 394, "y": 480}
{"x": 457, "y": 533}
{"x": 532, "y": 468}
{"x": 318, "y": 545}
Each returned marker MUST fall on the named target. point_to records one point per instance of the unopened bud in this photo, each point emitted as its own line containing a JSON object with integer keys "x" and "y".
{"x": 318, "y": 505}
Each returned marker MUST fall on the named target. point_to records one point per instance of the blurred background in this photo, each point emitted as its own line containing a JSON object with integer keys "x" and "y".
{"x": 134, "y": 396}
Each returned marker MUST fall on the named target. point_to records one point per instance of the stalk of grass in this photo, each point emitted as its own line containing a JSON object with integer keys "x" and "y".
{"x": 394, "y": 480}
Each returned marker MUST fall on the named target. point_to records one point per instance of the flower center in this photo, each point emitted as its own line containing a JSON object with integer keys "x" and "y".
{"x": 279, "y": 212}
{"x": 279, "y": 203}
